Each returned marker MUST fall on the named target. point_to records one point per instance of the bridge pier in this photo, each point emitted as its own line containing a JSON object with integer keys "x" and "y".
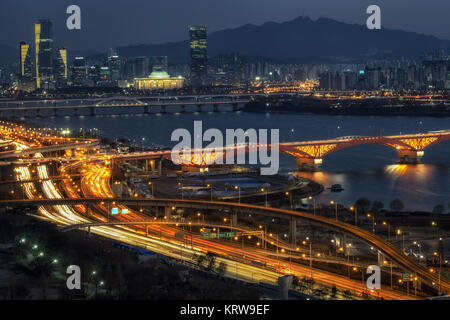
{"x": 234, "y": 218}
{"x": 146, "y": 110}
{"x": 293, "y": 230}
{"x": 163, "y": 109}
{"x": 93, "y": 112}
{"x": 167, "y": 212}
{"x": 55, "y": 112}
{"x": 235, "y": 107}
{"x": 409, "y": 156}
{"x": 308, "y": 164}
{"x": 216, "y": 108}
{"x": 75, "y": 112}
{"x": 199, "y": 108}
{"x": 183, "y": 109}
{"x": 38, "y": 113}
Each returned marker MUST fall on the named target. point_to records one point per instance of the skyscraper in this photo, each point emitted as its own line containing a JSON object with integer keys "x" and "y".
{"x": 79, "y": 71}
{"x": 25, "y": 63}
{"x": 114, "y": 65}
{"x": 199, "y": 58}
{"x": 43, "y": 30}
{"x": 61, "y": 67}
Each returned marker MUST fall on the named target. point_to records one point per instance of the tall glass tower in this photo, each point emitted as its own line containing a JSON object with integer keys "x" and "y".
{"x": 61, "y": 67}
{"x": 25, "y": 62}
{"x": 43, "y": 30}
{"x": 199, "y": 58}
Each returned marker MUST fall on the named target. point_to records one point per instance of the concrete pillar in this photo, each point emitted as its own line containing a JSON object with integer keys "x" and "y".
{"x": 75, "y": 112}
{"x": 183, "y": 109}
{"x": 293, "y": 230}
{"x": 307, "y": 164}
{"x": 93, "y": 113}
{"x": 284, "y": 284}
{"x": 409, "y": 156}
{"x": 381, "y": 258}
{"x": 55, "y": 112}
{"x": 38, "y": 112}
{"x": 235, "y": 107}
{"x": 199, "y": 108}
{"x": 163, "y": 109}
{"x": 216, "y": 108}
{"x": 160, "y": 167}
{"x": 146, "y": 166}
{"x": 146, "y": 111}
{"x": 167, "y": 212}
{"x": 234, "y": 218}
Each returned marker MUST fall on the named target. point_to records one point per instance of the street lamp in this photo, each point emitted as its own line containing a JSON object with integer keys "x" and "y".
{"x": 239, "y": 192}
{"x": 180, "y": 185}
{"x": 369, "y": 215}
{"x": 304, "y": 242}
{"x": 336, "y": 208}
{"x": 400, "y": 232}
{"x": 352, "y": 208}
{"x": 151, "y": 184}
{"x": 389, "y": 229}
{"x": 289, "y": 194}
{"x": 210, "y": 187}
{"x": 314, "y": 203}
{"x": 265, "y": 190}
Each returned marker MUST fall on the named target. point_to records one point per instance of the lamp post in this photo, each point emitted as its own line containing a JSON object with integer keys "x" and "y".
{"x": 370, "y": 215}
{"x": 385, "y": 223}
{"x": 210, "y": 188}
{"x": 314, "y": 203}
{"x": 400, "y": 232}
{"x": 180, "y": 185}
{"x": 289, "y": 194}
{"x": 151, "y": 184}
{"x": 355, "y": 209}
{"x": 239, "y": 192}
{"x": 336, "y": 208}
{"x": 265, "y": 190}
{"x": 304, "y": 242}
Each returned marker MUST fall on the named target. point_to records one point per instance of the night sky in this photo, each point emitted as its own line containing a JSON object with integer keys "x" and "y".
{"x": 110, "y": 23}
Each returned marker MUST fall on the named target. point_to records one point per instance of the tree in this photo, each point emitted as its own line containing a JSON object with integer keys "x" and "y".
{"x": 377, "y": 206}
{"x": 222, "y": 268}
{"x": 438, "y": 209}
{"x": 396, "y": 205}
{"x": 334, "y": 291}
{"x": 363, "y": 204}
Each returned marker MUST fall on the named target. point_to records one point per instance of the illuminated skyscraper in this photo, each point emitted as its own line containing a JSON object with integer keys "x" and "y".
{"x": 25, "y": 63}
{"x": 43, "y": 30}
{"x": 61, "y": 67}
{"x": 114, "y": 65}
{"x": 199, "y": 58}
{"x": 79, "y": 71}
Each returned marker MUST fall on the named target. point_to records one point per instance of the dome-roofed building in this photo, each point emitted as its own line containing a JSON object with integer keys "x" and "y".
{"x": 159, "y": 80}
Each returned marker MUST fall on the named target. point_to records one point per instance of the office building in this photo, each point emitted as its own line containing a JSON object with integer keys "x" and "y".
{"x": 198, "y": 53}
{"x": 43, "y": 30}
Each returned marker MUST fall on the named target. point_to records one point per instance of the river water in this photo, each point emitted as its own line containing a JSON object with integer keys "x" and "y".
{"x": 364, "y": 171}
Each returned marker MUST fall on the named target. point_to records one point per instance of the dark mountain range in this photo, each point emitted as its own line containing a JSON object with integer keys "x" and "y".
{"x": 301, "y": 40}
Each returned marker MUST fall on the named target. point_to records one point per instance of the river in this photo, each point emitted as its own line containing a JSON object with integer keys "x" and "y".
{"x": 364, "y": 171}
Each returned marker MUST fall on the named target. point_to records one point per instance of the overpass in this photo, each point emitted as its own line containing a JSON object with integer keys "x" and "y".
{"x": 137, "y": 105}
{"x": 238, "y": 208}
{"x": 50, "y": 148}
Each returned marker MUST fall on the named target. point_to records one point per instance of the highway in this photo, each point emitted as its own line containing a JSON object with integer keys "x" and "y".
{"x": 69, "y": 207}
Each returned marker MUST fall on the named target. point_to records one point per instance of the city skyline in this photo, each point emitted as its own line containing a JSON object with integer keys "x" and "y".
{"x": 98, "y": 34}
